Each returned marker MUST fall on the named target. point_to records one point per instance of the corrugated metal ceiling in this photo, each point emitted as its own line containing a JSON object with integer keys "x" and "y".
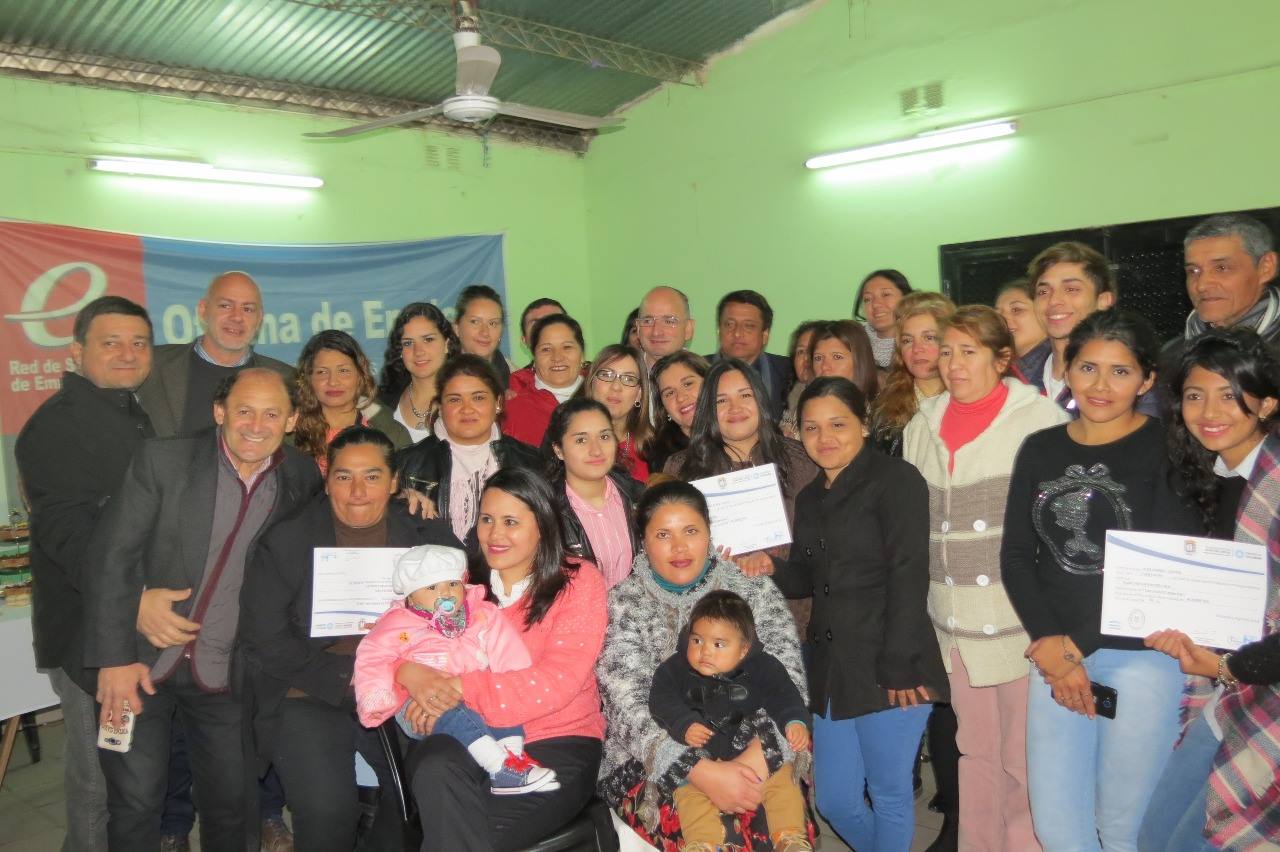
{"x": 344, "y": 52}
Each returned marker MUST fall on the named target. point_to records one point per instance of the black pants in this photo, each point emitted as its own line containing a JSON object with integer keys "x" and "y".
{"x": 945, "y": 757}
{"x": 137, "y": 780}
{"x": 314, "y": 753}
{"x": 180, "y": 812}
{"x": 459, "y": 814}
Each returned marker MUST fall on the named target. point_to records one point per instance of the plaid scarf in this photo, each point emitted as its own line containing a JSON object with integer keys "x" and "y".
{"x": 1263, "y": 317}
{"x": 1243, "y": 809}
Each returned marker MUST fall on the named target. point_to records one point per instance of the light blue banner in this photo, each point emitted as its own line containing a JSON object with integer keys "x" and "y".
{"x": 309, "y": 288}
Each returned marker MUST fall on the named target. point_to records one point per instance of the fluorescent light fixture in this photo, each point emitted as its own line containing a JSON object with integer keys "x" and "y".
{"x": 931, "y": 141}
{"x": 200, "y": 171}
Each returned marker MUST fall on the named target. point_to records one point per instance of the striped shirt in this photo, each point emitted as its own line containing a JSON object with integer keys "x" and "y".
{"x": 607, "y": 531}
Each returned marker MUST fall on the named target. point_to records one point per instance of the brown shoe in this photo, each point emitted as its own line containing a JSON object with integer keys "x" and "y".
{"x": 276, "y": 836}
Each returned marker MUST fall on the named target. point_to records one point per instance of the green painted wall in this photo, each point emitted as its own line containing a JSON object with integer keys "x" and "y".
{"x": 706, "y": 189}
{"x": 381, "y": 186}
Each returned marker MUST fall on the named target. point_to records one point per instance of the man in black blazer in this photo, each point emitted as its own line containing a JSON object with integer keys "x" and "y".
{"x": 72, "y": 456}
{"x": 164, "y": 604}
{"x": 179, "y": 393}
{"x": 743, "y": 321}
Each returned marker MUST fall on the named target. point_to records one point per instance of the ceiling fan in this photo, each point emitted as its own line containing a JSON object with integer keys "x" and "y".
{"x": 477, "y": 66}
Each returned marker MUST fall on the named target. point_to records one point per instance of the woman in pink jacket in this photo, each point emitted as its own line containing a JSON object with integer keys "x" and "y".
{"x": 443, "y": 623}
{"x": 557, "y": 604}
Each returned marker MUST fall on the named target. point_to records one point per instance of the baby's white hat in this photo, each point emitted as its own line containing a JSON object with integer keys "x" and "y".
{"x": 426, "y": 565}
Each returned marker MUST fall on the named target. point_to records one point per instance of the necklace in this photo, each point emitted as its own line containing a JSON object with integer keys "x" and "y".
{"x": 420, "y": 415}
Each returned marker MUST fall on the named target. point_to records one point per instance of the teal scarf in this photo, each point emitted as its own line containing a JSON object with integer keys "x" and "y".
{"x": 681, "y": 588}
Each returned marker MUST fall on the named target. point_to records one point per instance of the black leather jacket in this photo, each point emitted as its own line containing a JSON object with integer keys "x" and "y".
{"x": 427, "y": 465}
{"x": 575, "y": 537}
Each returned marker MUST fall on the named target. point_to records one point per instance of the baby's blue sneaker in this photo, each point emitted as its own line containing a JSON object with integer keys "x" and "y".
{"x": 520, "y": 773}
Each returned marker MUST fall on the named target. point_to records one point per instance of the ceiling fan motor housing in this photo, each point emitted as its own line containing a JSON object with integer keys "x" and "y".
{"x": 470, "y": 109}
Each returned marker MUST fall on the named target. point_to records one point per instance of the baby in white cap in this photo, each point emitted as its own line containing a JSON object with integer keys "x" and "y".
{"x": 447, "y": 625}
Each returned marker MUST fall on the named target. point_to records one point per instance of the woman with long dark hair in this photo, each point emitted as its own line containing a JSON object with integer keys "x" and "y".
{"x": 420, "y": 341}
{"x": 557, "y": 603}
{"x": 558, "y": 350}
{"x": 335, "y": 390}
{"x": 1092, "y": 778}
{"x": 732, "y": 431}
{"x": 618, "y": 380}
{"x": 677, "y": 380}
{"x": 1221, "y": 789}
{"x": 452, "y": 465}
{"x": 581, "y": 448}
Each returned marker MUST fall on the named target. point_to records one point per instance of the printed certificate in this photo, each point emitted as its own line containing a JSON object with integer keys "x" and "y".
{"x": 746, "y": 509}
{"x": 351, "y": 587}
{"x": 1213, "y": 590}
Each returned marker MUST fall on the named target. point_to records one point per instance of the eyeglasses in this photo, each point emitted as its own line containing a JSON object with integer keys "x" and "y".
{"x": 669, "y": 321}
{"x": 606, "y": 376}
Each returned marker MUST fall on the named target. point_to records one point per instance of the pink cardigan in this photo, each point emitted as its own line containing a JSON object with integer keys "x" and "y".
{"x": 489, "y": 642}
{"x": 556, "y": 696}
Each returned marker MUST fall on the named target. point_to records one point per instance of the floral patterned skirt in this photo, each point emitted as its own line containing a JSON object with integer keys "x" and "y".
{"x": 748, "y": 831}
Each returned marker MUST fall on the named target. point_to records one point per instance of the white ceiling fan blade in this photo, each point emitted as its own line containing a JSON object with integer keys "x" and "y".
{"x": 477, "y": 66}
{"x": 389, "y": 121}
{"x": 555, "y": 116}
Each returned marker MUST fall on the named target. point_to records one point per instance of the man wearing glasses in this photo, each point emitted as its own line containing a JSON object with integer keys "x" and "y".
{"x": 664, "y": 323}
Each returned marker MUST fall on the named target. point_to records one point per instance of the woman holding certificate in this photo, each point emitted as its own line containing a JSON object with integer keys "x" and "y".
{"x": 862, "y": 550}
{"x": 1221, "y": 788}
{"x": 304, "y": 710}
{"x": 964, "y": 441}
{"x": 731, "y": 433}
{"x": 1092, "y": 768}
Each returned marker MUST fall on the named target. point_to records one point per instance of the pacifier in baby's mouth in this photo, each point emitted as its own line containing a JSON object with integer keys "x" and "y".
{"x": 447, "y": 604}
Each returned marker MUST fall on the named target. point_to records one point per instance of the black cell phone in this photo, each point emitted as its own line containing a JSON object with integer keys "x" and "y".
{"x": 1104, "y": 700}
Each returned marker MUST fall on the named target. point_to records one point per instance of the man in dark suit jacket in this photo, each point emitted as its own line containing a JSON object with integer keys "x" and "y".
{"x": 743, "y": 321}
{"x": 72, "y": 456}
{"x": 178, "y": 395}
{"x": 164, "y": 605}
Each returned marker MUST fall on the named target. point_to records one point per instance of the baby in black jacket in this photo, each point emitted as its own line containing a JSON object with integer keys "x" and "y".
{"x": 718, "y": 678}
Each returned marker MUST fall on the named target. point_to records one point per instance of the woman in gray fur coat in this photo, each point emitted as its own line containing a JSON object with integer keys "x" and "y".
{"x": 642, "y": 764}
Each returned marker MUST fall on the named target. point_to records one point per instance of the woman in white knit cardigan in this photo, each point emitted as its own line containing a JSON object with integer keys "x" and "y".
{"x": 964, "y": 442}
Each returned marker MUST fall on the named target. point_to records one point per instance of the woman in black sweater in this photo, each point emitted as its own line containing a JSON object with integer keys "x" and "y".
{"x": 1092, "y": 777}
{"x": 861, "y": 549}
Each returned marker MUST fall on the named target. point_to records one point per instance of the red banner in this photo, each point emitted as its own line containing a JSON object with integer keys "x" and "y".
{"x": 47, "y": 274}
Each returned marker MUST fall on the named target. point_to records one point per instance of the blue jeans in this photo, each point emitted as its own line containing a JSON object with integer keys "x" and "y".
{"x": 1175, "y": 819}
{"x": 1091, "y": 780}
{"x": 874, "y": 752}
{"x": 462, "y": 723}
